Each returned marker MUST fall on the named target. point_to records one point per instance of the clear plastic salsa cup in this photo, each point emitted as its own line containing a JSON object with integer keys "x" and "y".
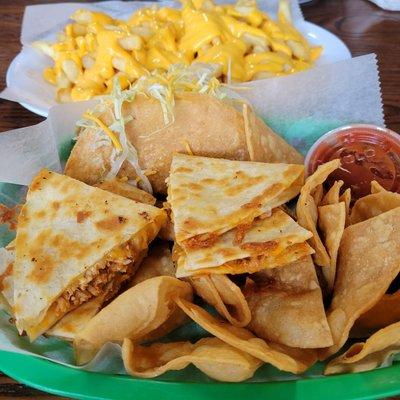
{"x": 367, "y": 153}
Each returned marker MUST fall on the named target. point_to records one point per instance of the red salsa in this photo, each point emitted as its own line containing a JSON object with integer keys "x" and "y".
{"x": 366, "y": 153}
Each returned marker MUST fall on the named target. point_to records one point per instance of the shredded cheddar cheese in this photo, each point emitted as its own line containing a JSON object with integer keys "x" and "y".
{"x": 248, "y": 132}
{"x": 106, "y": 130}
{"x": 187, "y": 147}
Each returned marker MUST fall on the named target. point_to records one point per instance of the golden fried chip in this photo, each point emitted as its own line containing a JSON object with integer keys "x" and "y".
{"x": 307, "y": 214}
{"x": 227, "y": 298}
{"x": 134, "y": 314}
{"x": 333, "y": 194}
{"x": 346, "y": 198}
{"x": 212, "y": 356}
{"x": 384, "y": 313}
{"x": 369, "y": 260}
{"x": 282, "y": 357}
{"x": 318, "y": 194}
{"x": 376, "y": 187}
{"x": 376, "y": 351}
{"x": 286, "y": 306}
{"x": 373, "y": 205}
{"x": 331, "y": 222}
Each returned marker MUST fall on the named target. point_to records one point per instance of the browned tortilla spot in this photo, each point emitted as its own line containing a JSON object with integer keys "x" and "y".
{"x": 43, "y": 269}
{"x": 272, "y": 190}
{"x": 82, "y": 215}
{"x": 249, "y": 181}
{"x": 266, "y": 246}
{"x": 40, "y": 214}
{"x": 145, "y": 215}
{"x": 9, "y": 216}
{"x": 6, "y": 273}
{"x": 240, "y": 232}
{"x": 208, "y": 181}
{"x": 201, "y": 241}
{"x": 111, "y": 224}
{"x": 194, "y": 186}
{"x": 184, "y": 170}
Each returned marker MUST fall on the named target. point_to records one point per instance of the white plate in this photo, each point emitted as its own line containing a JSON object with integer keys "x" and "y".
{"x": 25, "y": 72}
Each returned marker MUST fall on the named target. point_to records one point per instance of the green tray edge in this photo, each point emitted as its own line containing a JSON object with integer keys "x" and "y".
{"x": 62, "y": 380}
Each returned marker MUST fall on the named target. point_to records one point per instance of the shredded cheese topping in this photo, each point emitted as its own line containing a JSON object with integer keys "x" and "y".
{"x": 105, "y": 128}
{"x": 248, "y": 132}
{"x": 187, "y": 147}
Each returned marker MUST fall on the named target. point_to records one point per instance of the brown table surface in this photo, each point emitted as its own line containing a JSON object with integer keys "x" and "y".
{"x": 364, "y": 27}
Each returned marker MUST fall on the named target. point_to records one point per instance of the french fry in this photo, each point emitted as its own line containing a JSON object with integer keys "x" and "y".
{"x": 299, "y": 51}
{"x": 70, "y": 69}
{"x": 253, "y": 40}
{"x": 131, "y": 42}
{"x": 88, "y": 61}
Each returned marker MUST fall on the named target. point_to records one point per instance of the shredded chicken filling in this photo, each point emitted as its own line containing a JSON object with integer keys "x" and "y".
{"x": 105, "y": 275}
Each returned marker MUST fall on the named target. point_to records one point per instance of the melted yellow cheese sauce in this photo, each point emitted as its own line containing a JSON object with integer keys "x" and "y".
{"x": 242, "y": 40}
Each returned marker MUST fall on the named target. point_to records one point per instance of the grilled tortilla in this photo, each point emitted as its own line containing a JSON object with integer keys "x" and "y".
{"x": 74, "y": 242}
{"x": 211, "y": 196}
{"x": 271, "y": 234}
{"x": 202, "y": 124}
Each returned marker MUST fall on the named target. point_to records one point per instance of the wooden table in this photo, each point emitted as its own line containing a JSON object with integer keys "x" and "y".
{"x": 364, "y": 27}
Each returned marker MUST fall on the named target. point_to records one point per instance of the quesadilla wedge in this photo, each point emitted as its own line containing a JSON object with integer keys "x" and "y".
{"x": 73, "y": 243}
{"x": 269, "y": 235}
{"x": 247, "y": 265}
{"x": 224, "y": 295}
{"x": 211, "y": 196}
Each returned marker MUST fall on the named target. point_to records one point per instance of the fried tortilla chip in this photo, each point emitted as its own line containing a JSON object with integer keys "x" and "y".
{"x": 286, "y": 306}
{"x": 317, "y": 194}
{"x": 224, "y": 295}
{"x": 71, "y": 323}
{"x": 251, "y": 264}
{"x": 211, "y": 196}
{"x": 282, "y": 357}
{"x": 307, "y": 213}
{"x": 373, "y": 205}
{"x": 376, "y": 351}
{"x": 346, "y": 199}
{"x": 211, "y": 127}
{"x": 134, "y": 314}
{"x": 333, "y": 194}
{"x": 73, "y": 242}
{"x": 369, "y": 260}
{"x": 331, "y": 222}
{"x": 124, "y": 189}
{"x": 376, "y": 187}
{"x": 157, "y": 263}
{"x": 265, "y": 236}
{"x": 212, "y": 356}
{"x": 384, "y": 313}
